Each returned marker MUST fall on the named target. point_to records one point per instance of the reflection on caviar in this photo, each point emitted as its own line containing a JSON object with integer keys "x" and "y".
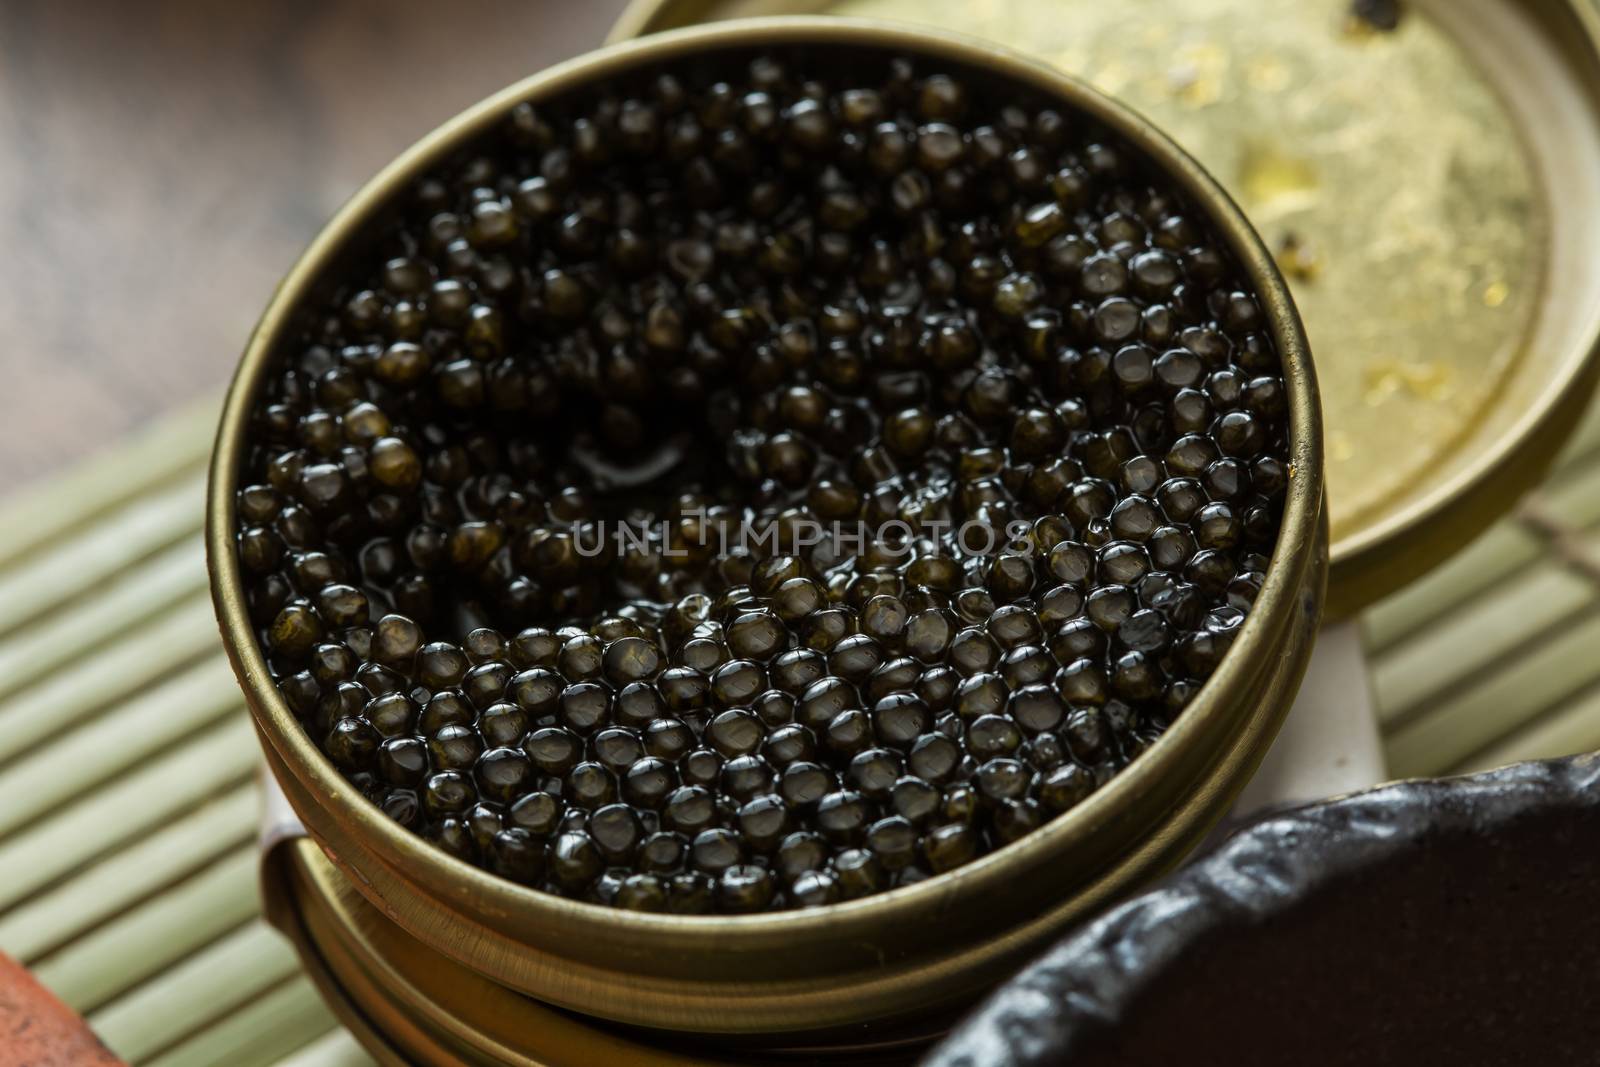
{"x": 491, "y": 487}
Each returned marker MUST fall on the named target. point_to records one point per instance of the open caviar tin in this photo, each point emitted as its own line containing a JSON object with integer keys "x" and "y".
{"x": 1427, "y": 173}
{"x": 785, "y": 980}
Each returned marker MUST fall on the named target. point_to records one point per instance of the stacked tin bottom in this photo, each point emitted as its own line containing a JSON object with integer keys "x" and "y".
{"x": 410, "y": 1005}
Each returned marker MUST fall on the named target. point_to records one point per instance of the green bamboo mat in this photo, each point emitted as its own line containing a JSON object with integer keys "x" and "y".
{"x": 128, "y": 803}
{"x": 127, "y": 792}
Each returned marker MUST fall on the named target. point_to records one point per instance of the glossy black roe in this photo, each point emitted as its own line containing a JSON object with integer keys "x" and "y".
{"x": 540, "y": 505}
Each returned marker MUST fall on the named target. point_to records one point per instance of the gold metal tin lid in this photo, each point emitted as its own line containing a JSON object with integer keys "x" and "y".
{"x": 1431, "y": 190}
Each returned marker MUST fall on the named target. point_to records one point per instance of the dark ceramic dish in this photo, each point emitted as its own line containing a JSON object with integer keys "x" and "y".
{"x": 1451, "y": 922}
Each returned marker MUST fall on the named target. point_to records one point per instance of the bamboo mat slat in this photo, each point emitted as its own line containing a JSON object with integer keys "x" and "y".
{"x": 1410, "y": 676}
{"x": 1483, "y": 564}
{"x": 1474, "y": 716}
{"x": 79, "y": 564}
{"x": 1490, "y": 659}
{"x": 135, "y": 947}
{"x": 271, "y": 1029}
{"x": 334, "y": 1049}
{"x": 122, "y": 880}
{"x": 130, "y": 599}
{"x": 227, "y": 975}
{"x": 142, "y": 655}
{"x": 1574, "y": 502}
{"x": 164, "y": 451}
{"x": 127, "y": 791}
{"x": 154, "y": 720}
{"x": 1570, "y": 727}
{"x": 75, "y": 839}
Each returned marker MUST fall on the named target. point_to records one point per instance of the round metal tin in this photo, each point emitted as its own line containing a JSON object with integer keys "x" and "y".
{"x": 808, "y": 978}
{"x": 1431, "y": 189}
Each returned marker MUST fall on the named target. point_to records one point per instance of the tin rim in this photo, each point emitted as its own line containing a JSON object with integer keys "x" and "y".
{"x": 1206, "y": 723}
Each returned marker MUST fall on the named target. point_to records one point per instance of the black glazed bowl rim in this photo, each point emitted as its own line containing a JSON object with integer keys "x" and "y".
{"x": 1264, "y": 871}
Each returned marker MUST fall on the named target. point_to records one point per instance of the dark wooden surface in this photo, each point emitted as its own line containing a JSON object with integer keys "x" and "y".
{"x": 162, "y": 163}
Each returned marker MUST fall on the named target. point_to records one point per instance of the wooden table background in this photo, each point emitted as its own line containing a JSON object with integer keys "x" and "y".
{"x": 163, "y": 162}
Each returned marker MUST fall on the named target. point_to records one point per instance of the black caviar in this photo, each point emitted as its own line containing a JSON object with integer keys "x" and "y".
{"x": 765, "y": 485}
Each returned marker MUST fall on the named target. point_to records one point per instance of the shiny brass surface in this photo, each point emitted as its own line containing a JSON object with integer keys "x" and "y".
{"x": 881, "y": 959}
{"x": 1410, "y": 209}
